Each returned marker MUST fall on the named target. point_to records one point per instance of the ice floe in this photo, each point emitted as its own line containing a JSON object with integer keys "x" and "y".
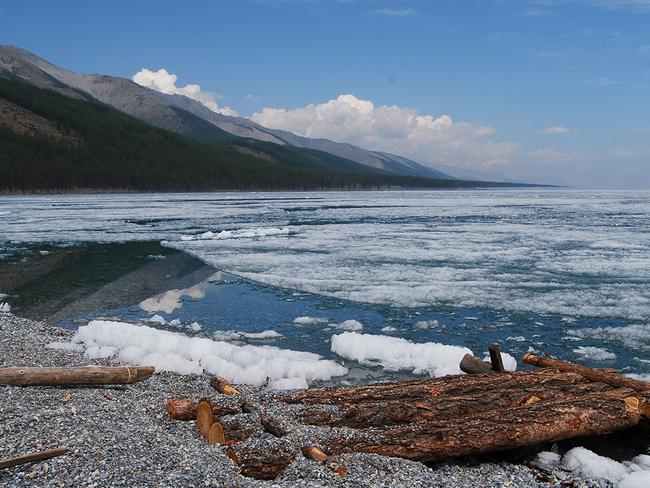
{"x": 627, "y": 474}
{"x": 595, "y": 353}
{"x": 5, "y": 307}
{"x": 239, "y": 234}
{"x": 306, "y": 320}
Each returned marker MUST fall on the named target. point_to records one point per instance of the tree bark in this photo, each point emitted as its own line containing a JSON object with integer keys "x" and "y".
{"x": 262, "y": 463}
{"x": 90, "y": 375}
{"x": 184, "y": 409}
{"x": 609, "y": 376}
{"x": 441, "y": 398}
{"x": 539, "y": 422}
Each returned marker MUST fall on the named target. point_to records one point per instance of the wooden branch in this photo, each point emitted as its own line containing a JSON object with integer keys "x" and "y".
{"x": 608, "y": 376}
{"x": 184, "y": 409}
{"x": 473, "y": 365}
{"x": 90, "y": 375}
{"x": 495, "y": 358}
{"x": 222, "y": 385}
{"x": 33, "y": 457}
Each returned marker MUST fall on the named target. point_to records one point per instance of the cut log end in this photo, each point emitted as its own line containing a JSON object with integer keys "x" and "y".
{"x": 204, "y": 419}
{"x": 222, "y": 385}
{"x": 473, "y": 365}
{"x": 216, "y": 434}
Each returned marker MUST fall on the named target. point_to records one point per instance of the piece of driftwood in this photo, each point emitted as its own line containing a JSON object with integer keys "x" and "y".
{"x": 204, "y": 418}
{"x": 264, "y": 465}
{"x": 222, "y": 385}
{"x": 272, "y": 426}
{"x": 314, "y": 453}
{"x": 440, "y": 398}
{"x": 185, "y": 409}
{"x": 33, "y": 457}
{"x": 89, "y": 375}
{"x": 472, "y": 365}
{"x": 495, "y": 358}
{"x": 539, "y": 422}
{"x": 609, "y": 376}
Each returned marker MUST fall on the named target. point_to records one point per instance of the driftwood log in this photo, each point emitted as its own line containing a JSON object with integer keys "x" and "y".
{"x": 473, "y": 365}
{"x": 609, "y": 376}
{"x": 89, "y": 375}
{"x": 442, "y": 398}
{"x": 431, "y": 420}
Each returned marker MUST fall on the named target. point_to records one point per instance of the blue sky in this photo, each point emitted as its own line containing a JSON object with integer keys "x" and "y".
{"x": 555, "y": 90}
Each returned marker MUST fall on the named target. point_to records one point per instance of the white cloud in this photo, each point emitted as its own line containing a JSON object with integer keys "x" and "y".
{"x": 557, "y": 130}
{"x": 435, "y": 140}
{"x": 395, "y": 12}
{"x": 165, "y": 82}
{"x": 549, "y": 154}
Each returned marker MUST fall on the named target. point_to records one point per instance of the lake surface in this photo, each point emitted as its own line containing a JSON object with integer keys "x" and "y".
{"x": 560, "y": 271}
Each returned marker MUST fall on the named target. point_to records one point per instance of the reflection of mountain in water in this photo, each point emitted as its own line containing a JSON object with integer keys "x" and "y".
{"x": 171, "y": 300}
{"x": 61, "y": 282}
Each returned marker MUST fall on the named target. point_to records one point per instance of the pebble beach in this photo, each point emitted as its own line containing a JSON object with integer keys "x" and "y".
{"x": 122, "y": 435}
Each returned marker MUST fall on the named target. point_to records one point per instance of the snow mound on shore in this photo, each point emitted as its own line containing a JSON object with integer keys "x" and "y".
{"x": 395, "y": 354}
{"x": 628, "y": 474}
{"x": 175, "y": 352}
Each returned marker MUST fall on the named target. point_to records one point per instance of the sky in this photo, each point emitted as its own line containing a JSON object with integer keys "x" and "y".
{"x": 552, "y": 91}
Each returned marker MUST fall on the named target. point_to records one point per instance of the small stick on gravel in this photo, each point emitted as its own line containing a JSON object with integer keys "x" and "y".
{"x": 222, "y": 385}
{"x": 35, "y": 456}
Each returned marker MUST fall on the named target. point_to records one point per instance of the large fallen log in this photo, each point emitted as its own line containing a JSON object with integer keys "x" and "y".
{"x": 89, "y": 375}
{"x": 609, "y": 376}
{"x": 434, "y": 440}
{"x": 446, "y": 397}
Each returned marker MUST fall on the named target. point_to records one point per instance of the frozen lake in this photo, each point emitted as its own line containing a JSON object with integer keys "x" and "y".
{"x": 559, "y": 271}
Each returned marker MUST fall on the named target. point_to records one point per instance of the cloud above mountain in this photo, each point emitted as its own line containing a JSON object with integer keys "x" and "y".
{"x": 435, "y": 140}
{"x": 165, "y": 82}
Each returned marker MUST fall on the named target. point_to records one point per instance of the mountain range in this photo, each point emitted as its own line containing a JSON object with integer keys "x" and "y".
{"x": 233, "y": 140}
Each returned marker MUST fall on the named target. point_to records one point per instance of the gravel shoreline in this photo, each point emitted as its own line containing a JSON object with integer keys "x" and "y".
{"x": 122, "y": 436}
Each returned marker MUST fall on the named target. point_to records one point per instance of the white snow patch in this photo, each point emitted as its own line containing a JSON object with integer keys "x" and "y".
{"x": 595, "y": 353}
{"x": 640, "y": 377}
{"x": 628, "y": 474}
{"x": 5, "y": 307}
{"x": 43, "y": 252}
{"x": 395, "y": 354}
{"x": 306, "y": 320}
{"x": 176, "y": 352}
